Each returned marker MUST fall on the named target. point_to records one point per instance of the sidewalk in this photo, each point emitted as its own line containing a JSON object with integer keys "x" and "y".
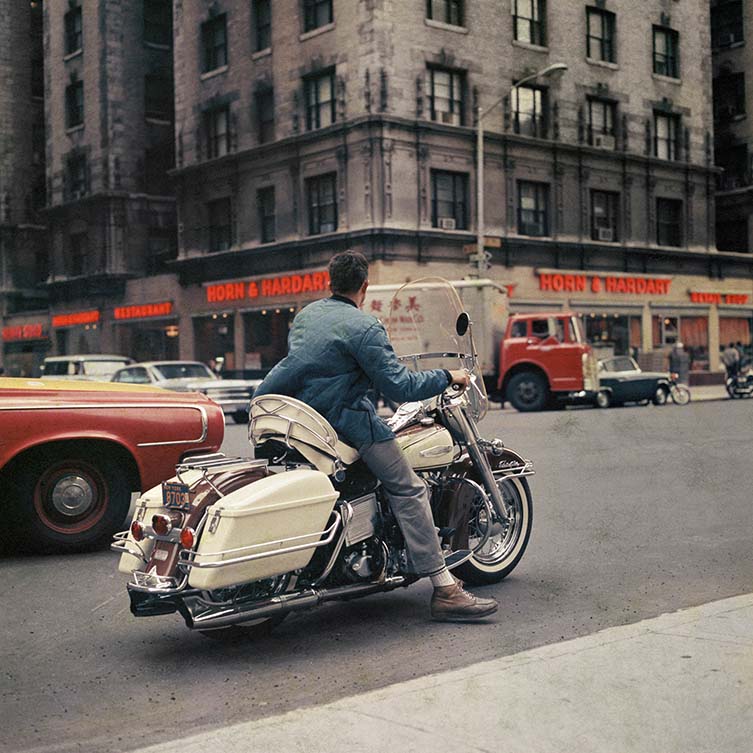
{"x": 709, "y": 392}
{"x": 678, "y": 683}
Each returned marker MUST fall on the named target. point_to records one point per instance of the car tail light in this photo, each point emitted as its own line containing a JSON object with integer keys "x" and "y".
{"x": 161, "y": 524}
{"x": 137, "y": 530}
{"x": 187, "y": 538}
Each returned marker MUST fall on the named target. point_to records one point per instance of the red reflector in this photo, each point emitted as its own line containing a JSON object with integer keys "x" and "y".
{"x": 161, "y": 524}
{"x": 187, "y": 538}
{"x": 137, "y": 530}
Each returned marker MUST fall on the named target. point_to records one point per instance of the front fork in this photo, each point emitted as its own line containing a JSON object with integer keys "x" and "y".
{"x": 473, "y": 442}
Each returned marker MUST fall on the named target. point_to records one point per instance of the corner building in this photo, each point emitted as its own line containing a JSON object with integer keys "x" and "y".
{"x": 309, "y": 126}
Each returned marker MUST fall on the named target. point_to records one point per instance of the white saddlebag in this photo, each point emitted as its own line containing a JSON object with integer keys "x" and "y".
{"x": 286, "y": 512}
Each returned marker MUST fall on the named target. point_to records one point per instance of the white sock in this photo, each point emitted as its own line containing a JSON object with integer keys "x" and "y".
{"x": 442, "y": 578}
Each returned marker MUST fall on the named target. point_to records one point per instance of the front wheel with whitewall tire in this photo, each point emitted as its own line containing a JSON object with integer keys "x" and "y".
{"x": 680, "y": 394}
{"x": 507, "y": 541}
{"x": 528, "y": 391}
{"x": 603, "y": 399}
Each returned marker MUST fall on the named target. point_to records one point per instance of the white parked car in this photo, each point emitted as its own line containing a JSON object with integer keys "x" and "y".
{"x": 233, "y": 395}
{"x": 93, "y": 366}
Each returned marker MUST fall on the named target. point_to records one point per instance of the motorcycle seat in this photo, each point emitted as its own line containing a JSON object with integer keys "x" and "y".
{"x": 299, "y": 427}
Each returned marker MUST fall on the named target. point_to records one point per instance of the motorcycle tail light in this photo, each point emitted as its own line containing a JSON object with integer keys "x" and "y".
{"x": 161, "y": 524}
{"x": 187, "y": 538}
{"x": 137, "y": 530}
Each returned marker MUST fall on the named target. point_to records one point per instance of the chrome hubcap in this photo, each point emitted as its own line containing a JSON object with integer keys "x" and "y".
{"x": 72, "y": 496}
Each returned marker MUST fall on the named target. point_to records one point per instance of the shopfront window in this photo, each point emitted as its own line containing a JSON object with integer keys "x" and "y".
{"x": 737, "y": 330}
{"x": 691, "y": 331}
{"x": 214, "y": 338}
{"x": 266, "y": 337}
{"x": 613, "y": 334}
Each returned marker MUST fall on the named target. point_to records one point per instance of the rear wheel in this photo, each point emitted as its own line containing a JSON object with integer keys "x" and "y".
{"x": 680, "y": 394}
{"x": 528, "y": 391}
{"x": 507, "y": 541}
{"x": 240, "y": 417}
{"x": 68, "y": 500}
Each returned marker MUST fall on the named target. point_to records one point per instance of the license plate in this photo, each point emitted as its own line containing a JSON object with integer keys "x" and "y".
{"x": 175, "y": 494}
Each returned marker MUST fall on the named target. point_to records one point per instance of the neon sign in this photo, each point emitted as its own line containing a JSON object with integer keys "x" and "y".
{"x": 577, "y": 283}
{"x": 79, "y": 317}
{"x": 268, "y": 287}
{"x": 144, "y": 310}
{"x": 738, "y": 299}
{"x": 23, "y": 332}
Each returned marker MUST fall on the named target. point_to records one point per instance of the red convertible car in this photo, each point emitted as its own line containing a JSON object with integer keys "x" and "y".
{"x": 71, "y": 454}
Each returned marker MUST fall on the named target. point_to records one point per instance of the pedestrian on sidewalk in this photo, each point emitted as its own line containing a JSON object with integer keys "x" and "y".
{"x": 731, "y": 360}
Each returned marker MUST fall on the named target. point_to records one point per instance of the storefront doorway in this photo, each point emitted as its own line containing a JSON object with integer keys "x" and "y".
{"x": 149, "y": 341}
{"x": 266, "y": 337}
{"x": 214, "y": 340}
{"x": 613, "y": 334}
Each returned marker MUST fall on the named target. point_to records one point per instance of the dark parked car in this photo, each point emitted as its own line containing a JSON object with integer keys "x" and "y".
{"x": 232, "y": 395}
{"x": 621, "y": 380}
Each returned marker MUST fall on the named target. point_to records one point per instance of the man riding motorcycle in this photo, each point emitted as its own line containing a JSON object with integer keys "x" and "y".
{"x": 336, "y": 354}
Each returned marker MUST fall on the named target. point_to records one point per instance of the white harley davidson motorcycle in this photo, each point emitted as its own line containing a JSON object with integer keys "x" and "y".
{"x": 235, "y": 544}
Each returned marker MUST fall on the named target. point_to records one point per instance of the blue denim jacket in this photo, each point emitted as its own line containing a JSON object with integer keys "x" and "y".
{"x": 336, "y": 354}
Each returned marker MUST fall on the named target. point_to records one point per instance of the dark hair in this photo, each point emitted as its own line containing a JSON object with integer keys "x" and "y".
{"x": 348, "y": 271}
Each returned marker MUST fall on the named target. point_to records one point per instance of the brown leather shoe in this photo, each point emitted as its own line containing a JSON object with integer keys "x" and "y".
{"x": 453, "y": 604}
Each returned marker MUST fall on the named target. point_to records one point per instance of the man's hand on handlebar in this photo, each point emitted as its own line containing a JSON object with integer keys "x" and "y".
{"x": 461, "y": 379}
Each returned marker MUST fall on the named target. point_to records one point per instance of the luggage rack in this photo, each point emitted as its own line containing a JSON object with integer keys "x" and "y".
{"x": 217, "y": 462}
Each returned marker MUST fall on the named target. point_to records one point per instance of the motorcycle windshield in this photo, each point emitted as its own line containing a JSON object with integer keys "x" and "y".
{"x": 422, "y": 325}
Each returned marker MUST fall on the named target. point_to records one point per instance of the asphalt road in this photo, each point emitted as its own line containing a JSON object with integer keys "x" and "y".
{"x": 637, "y": 512}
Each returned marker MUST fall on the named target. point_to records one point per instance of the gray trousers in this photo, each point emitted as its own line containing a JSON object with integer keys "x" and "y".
{"x": 409, "y": 502}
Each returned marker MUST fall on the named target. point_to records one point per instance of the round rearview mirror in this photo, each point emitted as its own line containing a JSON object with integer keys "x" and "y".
{"x": 461, "y": 325}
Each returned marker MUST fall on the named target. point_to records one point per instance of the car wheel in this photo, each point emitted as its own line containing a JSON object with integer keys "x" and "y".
{"x": 528, "y": 391}
{"x": 240, "y": 416}
{"x": 603, "y": 399}
{"x": 69, "y": 500}
{"x": 660, "y": 396}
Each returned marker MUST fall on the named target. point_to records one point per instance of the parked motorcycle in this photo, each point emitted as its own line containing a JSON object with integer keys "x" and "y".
{"x": 740, "y": 382}
{"x": 234, "y": 545}
{"x": 678, "y": 393}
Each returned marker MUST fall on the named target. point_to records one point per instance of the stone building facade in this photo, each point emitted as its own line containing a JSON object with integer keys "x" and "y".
{"x": 23, "y": 259}
{"x": 308, "y": 127}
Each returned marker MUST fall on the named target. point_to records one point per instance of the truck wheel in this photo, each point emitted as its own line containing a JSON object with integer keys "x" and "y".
{"x": 68, "y": 500}
{"x": 528, "y": 391}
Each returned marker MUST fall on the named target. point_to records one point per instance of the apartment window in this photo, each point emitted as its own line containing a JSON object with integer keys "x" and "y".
{"x": 732, "y": 235}
{"x": 601, "y": 119}
{"x": 727, "y": 23}
{"x": 447, "y": 11}
{"x": 533, "y": 208}
{"x": 262, "y": 24}
{"x": 217, "y": 131}
{"x": 316, "y": 13}
{"x": 528, "y": 21}
{"x": 321, "y": 194}
{"x": 77, "y": 246}
{"x": 220, "y": 225}
{"x": 446, "y": 92}
{"x": 530, "y": 111}
{"x": 604, "y": 216}
{"x": 265, "y": 115}
{"x": 729, "y": 96}
{"x": 74, "y": 104}
{"x": 449, "y": 200}
{"x": 600, "y": 34}
{"x": 158, "y": 97}
{"x": 320, "y": 100}
{"x": 666, "y": 52}
{"x": 669, "y": 222}
{"x": 77, "y": 174}
{"x": 37, "y": 76}
{"x": 734, "y": 160}
{"x": 214, "y": 43}
{"x": 666, "y": 136}
{"x": 265, "y": 200}
{"x": 158, "y": 22}
{"x": 73, "y": 31}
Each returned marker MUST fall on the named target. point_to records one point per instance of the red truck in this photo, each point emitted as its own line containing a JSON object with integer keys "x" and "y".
{"x": 544, "y": 358}
{"x": 530, "y": 360}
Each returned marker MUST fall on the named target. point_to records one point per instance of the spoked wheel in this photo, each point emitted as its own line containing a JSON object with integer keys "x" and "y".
{"x": 507, "y": 541}
{"x": 680, "y": 394}
{"x": 243, "y": 594}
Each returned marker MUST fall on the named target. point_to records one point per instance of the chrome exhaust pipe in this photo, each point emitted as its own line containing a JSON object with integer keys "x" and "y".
{"x": 203, "y": 615}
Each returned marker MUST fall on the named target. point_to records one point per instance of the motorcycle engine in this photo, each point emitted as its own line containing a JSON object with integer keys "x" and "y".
{"x": 362, "y": 562}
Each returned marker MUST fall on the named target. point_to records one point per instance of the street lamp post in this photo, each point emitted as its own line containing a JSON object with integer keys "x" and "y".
{"x": 480, "y": 115}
